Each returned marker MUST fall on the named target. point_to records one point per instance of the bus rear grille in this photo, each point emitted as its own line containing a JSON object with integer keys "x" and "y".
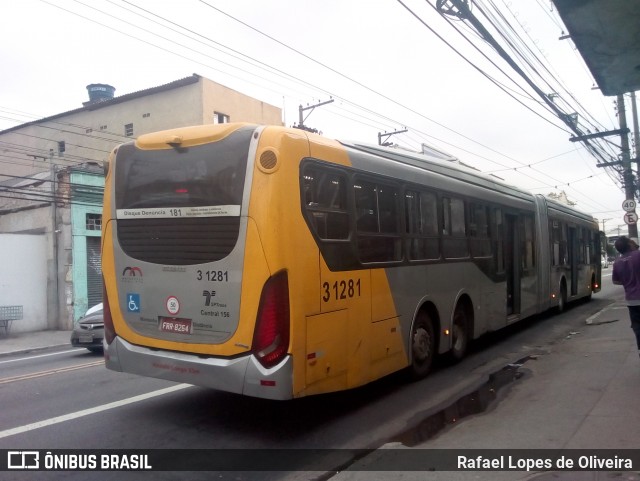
{"x": 178, "y": 241}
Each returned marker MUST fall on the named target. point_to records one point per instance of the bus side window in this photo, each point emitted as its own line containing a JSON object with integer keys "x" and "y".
{"x": 558, "y": 235}
{"x": 454, "y": 244}
{"x": 378, "y": 222}
{"x": 582, "y": 245}
{"x": 564, "y": 253}
{"x": 528, "y": 258}
{"x": 325, "y": 199}
{"x": 479, "y": 230}
{"x": 388, "y": 209}
{"x": 498, "y": 226}
{"x": 555, "y": 242}
{"x": 421, "y": 216}
{"x": 366, "y": 207}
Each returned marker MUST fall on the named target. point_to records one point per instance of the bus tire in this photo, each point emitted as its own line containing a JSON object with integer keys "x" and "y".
{"x": 423, "y": 346}
{"x": 459, "y": 333}
{"x": 592, "y": 287}
{"x": 562, "y": 298}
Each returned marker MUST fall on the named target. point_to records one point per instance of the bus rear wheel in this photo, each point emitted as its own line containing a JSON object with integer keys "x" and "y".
{"x": 459, "y": 334}
{"x": 423, "y": 345}
{"x": 562, "y": 298}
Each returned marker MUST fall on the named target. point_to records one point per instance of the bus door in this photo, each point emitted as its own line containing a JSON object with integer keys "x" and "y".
{"x": 512, "y": 264}
{"x": 572, "y": 254}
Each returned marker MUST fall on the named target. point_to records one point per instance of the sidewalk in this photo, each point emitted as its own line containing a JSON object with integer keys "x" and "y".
{"x": 24, "y": 342}
{"x": 584, "y": 393}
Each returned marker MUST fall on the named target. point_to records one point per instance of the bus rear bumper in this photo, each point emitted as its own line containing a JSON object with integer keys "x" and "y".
{"x": 241, "y": 375}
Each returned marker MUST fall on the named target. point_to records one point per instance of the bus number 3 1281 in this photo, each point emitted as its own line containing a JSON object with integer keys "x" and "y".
{"x": 341, "y": 290}
{"x": 213, "y": 276}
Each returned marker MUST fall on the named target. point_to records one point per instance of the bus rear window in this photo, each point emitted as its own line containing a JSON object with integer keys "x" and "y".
{"x": 201, "y": 176}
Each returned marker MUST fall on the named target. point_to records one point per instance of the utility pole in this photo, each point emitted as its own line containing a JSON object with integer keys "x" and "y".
{"x": 603, "y": 244}
{"x": 53, "y": 323}
{"x": 636, "y": 131}
{"x": 461, "y": 10}
{"x": 302, "y": 118}
{"x": 627, "y": 173}
{"x": 387, "y": 135}
{"x": 54, "y": 239}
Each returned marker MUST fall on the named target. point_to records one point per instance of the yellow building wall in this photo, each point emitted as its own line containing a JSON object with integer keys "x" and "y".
{"x": 239, "y": 107}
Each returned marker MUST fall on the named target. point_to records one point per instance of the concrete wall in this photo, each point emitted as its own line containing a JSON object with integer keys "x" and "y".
{"x": 159, "y": 111}
{"x": 23, "y": 279}
{"x": 37, "y": 222}
{"x": 239, "y": 107}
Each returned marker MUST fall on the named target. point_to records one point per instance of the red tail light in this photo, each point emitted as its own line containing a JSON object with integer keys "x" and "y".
{"x": 271, "y": 337}
{"x": 109, "y": 330}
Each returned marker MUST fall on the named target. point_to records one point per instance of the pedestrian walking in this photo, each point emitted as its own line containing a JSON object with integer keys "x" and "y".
{"x": 626, "y": 272}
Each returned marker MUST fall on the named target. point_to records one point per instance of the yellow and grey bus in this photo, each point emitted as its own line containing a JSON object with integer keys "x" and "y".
{"x": 276, "y": 263}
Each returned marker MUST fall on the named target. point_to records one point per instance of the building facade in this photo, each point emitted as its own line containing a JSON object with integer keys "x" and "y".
{"x": 51, "y": 177}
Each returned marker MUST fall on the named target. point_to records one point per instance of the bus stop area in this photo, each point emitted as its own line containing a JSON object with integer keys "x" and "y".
{"x": 583, "y": 394}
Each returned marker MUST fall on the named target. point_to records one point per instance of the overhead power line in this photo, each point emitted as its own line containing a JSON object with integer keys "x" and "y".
{"x": 371, "y": 112}
{"x": 465, "y": 13}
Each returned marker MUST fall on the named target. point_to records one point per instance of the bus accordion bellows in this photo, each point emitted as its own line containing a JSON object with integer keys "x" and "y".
{"x": 276, "y": 263}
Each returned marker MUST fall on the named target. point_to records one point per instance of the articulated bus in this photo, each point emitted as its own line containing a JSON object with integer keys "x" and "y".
{"x": 276, "y": 263}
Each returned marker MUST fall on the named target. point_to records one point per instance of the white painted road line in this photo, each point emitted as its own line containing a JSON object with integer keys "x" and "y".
{"x": 42, "y": 355}
{"x": 33, "y": 375}
{"x": 86, "y": 412}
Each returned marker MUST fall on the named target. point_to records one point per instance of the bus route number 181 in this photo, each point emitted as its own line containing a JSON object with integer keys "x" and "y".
{"x": 341, "y": 290}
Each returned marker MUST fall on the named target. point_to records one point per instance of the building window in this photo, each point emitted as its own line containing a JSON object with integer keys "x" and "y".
{"x": 61, "y": 148}
{"x": 103, "y": 127}
{"x": 220, "y": 118}
{"x": 93, "y": 222}
{"x": 144, "y": 116}
{"x": 128, "y": 130}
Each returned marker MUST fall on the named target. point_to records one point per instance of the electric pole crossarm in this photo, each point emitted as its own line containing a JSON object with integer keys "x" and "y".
{"x": 597, "y": 135}
{"x": 609, "y": 164}
{"x": 301, "y": 109}
{"x": 387, "y": 135}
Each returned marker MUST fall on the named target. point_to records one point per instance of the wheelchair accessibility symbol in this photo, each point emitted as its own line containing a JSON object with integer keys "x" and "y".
{"x": 133, "y": 302}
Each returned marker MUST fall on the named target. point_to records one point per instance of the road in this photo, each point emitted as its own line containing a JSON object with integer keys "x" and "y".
{"x": 66, "y": 399}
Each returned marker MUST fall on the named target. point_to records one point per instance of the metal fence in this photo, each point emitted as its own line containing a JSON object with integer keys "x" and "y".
{"x": 8, "y": 314}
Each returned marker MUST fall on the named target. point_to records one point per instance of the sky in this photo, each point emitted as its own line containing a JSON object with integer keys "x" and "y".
{"x": 388, "y": 65}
